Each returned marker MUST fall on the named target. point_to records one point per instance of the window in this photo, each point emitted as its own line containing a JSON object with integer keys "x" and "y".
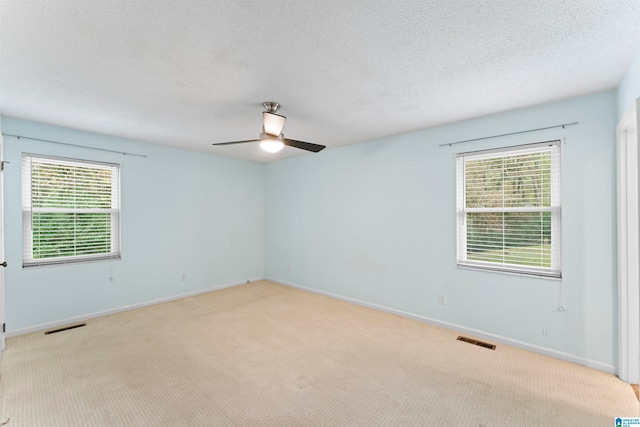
{"x": 508, "y": 208}
{"x": 70, "y": 210}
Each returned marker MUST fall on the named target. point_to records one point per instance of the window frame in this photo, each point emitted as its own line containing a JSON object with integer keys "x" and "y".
{"x": 555, "y": 209}
{"x": 27, "y": 211}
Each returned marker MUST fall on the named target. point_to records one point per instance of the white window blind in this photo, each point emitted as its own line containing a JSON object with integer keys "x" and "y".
{"x": 508, "y": 209}
{"x": 70, "y": 210}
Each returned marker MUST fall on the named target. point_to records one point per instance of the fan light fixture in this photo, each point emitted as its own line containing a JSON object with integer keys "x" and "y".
{"x": 273, "y": 123}
{"x": 271, "y": 145}
{"x": 271, "y": 138}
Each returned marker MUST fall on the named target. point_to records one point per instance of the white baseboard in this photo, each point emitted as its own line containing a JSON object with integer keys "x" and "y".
{"x": 68, "y": 320}
{"x": 477, "y": 333}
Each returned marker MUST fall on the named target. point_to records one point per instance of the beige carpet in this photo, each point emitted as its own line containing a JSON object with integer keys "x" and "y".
{"x": 268, "y": 355}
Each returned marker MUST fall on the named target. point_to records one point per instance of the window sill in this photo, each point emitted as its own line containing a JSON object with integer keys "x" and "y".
{"x": 509, "y": 272}
{"x": 61, "y": 262}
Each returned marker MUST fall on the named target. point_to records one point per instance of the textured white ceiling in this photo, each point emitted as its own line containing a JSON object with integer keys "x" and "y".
{"x": 190, "y": 73}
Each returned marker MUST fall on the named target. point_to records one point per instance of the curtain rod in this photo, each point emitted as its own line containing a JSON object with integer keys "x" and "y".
{"x": 507, "y": 134}
{"x": 124, "y": 153}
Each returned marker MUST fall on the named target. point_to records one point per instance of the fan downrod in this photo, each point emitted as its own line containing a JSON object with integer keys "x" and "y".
{"x": 271, "y": 107}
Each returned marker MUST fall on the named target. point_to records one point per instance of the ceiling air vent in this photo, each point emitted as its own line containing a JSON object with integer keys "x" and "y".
{"x": 476, "y": 342}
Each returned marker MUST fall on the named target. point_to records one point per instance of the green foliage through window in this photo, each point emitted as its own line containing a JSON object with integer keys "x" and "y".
{"x": 70, "y": 210}
{"x": 508, "y": 207}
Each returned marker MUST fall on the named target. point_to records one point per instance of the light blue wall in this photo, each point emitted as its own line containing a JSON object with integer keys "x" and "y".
{"x": 372, "y": 221}
{"x": 182, "y": 213}
{"x": 376, "y": 222}
{"x": 629, "y": 88}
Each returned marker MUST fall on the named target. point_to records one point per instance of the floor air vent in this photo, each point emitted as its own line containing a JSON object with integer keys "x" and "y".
{"x": 66, "y": 328}
{"x": 476, "y": 342}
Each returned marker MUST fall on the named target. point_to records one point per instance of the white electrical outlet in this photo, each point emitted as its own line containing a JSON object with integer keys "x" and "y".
{"x": 442, "y": 299}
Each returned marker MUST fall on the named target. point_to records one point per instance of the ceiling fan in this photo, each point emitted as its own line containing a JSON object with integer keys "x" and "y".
{"x": 271, "y": 138}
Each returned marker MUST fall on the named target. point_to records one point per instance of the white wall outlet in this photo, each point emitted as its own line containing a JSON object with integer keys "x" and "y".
{"x": 442, "y": 299}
